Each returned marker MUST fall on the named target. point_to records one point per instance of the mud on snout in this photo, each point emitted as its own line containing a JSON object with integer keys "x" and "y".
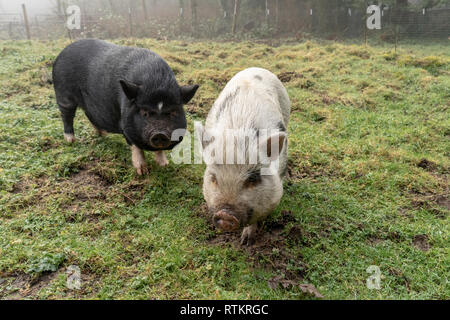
{"x": 229, "y": 219}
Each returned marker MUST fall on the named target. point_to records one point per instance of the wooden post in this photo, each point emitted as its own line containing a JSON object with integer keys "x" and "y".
{"x": 60, "y": 8}
{"x": 181, "y": 22}
{"x": 365, "y": 29}
{"x": 396, "y": 38}
{"x": 194, "y": 16}
{"x": 25, "y": 19}
{"x": 130, "y": 19}
{"x": 65, "y": 20}
{"x": 10, "y": 29}
{"x": 237, "y": 4}
{"x": 37, "y": 28}
{"x": 277, "y": 15}
{"x": 144, "y": 7}
{"x": 111, "y": 5}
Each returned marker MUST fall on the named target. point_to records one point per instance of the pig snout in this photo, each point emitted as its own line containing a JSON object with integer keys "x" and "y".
{"x": 225, "y": 220}
{"x": 160, "y": 140}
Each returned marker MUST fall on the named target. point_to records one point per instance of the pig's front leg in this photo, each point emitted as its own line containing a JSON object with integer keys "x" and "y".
{"x": 161, "y": 159}
{"x": 138, "y": 159}
{"x": 249, "y": 235}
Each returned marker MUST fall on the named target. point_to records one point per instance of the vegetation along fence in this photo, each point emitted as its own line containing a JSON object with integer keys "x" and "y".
{"x": 330, "y": 19}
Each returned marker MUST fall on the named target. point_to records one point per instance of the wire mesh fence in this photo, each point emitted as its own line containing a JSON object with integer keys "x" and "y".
{"x": 212, "y": 21}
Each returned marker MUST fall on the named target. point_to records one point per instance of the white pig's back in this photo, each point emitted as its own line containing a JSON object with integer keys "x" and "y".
{"x": 253, "y": 98}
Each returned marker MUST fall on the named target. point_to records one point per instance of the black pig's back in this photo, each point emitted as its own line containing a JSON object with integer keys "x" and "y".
{"x": 87, "y": 74}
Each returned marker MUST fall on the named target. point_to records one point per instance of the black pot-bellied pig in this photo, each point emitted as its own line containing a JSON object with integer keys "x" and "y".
{"x": 244, "y": 144}
{"x": 126, "y": 90}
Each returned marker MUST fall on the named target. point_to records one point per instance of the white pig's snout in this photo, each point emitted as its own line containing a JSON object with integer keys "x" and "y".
{"x": 225, "y": 220}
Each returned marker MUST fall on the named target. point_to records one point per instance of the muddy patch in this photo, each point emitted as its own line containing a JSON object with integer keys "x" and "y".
{"x": 439, "y": 205}
{"x": 271, "y": 251}
{"x": 19, "y": 286}
{"x": 427, "y": 165}
{"x": 81, "y": 196}
{"x": 421, "y": 242}
{"x": 23, "y": 286}
{"x": 289, "y": 76}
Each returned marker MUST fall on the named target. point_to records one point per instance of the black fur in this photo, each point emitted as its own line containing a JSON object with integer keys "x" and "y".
{"x": 119, "y": 89}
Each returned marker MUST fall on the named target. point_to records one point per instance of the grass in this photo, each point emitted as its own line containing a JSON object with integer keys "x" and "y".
{"x": 368, "y": 183}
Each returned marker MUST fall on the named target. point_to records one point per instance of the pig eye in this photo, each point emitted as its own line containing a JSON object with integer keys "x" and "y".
{"x": 146, "y": 114}
{"x": 253, "y": 179}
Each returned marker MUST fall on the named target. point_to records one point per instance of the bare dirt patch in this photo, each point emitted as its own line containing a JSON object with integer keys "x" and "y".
{"x": 427, "y": 165}
{"x": 271, "y": 251}
{"x": 18, "y": 286}
{"x": 439, "y": 205}
{"x": 88, "y": 186}
{"x": 421, "y": 242}
{"x": 289, "y": 76}
{"x": 21, "y": 286}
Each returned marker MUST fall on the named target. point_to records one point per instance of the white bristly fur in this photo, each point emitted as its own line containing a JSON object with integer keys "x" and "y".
{"x": 253, "y": 100}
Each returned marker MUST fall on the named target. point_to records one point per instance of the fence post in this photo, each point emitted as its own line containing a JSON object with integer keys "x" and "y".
{"x": 38, "y": 29}
{"x": 10, "y": 30}
{"x": 144, "y": 7}
{"x": 277, "y": 15}
{"x": 25, "y": 19}
{"x": 181, "y": 16}
{"x": 64, "y": 8}
{"x": 237, "y": 4}
{"x": 194, "y": 16}
{"x": 365, "y": 28}
{"x": 111, "y": 5}
{"x": 130, "y": 19}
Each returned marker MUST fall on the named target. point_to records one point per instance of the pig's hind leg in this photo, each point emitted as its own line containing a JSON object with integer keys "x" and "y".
{"x": 248, "y": 236}
{"x": 100, "y": 132}
{"x": 68, "y": 114}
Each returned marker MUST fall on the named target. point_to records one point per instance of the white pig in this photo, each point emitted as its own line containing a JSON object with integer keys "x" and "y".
{"x": 239, "y": 191}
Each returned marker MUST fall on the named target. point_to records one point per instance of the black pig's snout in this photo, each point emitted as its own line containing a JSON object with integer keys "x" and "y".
{"x": 160, "y": 140}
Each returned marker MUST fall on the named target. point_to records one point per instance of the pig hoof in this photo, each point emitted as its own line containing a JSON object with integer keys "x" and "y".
{"x": 70, "y": 138}
{"x": 142, "y": 170}
{"x": 248, "y": 237}
{"x": 161, "y": 159}
{"x": 101, "y": 133}
{"x": 247, "y": 240}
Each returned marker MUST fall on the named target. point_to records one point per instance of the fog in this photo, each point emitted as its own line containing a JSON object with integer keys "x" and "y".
{"x": 33, "y": 6}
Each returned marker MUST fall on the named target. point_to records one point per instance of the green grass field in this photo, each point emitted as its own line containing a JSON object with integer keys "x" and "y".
{"x": 368, "y": 183}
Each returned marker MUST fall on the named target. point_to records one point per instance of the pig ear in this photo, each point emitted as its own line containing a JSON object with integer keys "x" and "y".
{"x": 188, "y": 92}
{"x": 273, "y": 146}
{"x": 130, "y": 89}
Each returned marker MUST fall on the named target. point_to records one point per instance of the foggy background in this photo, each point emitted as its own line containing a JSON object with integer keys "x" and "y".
{"x": 226, "y": 19}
